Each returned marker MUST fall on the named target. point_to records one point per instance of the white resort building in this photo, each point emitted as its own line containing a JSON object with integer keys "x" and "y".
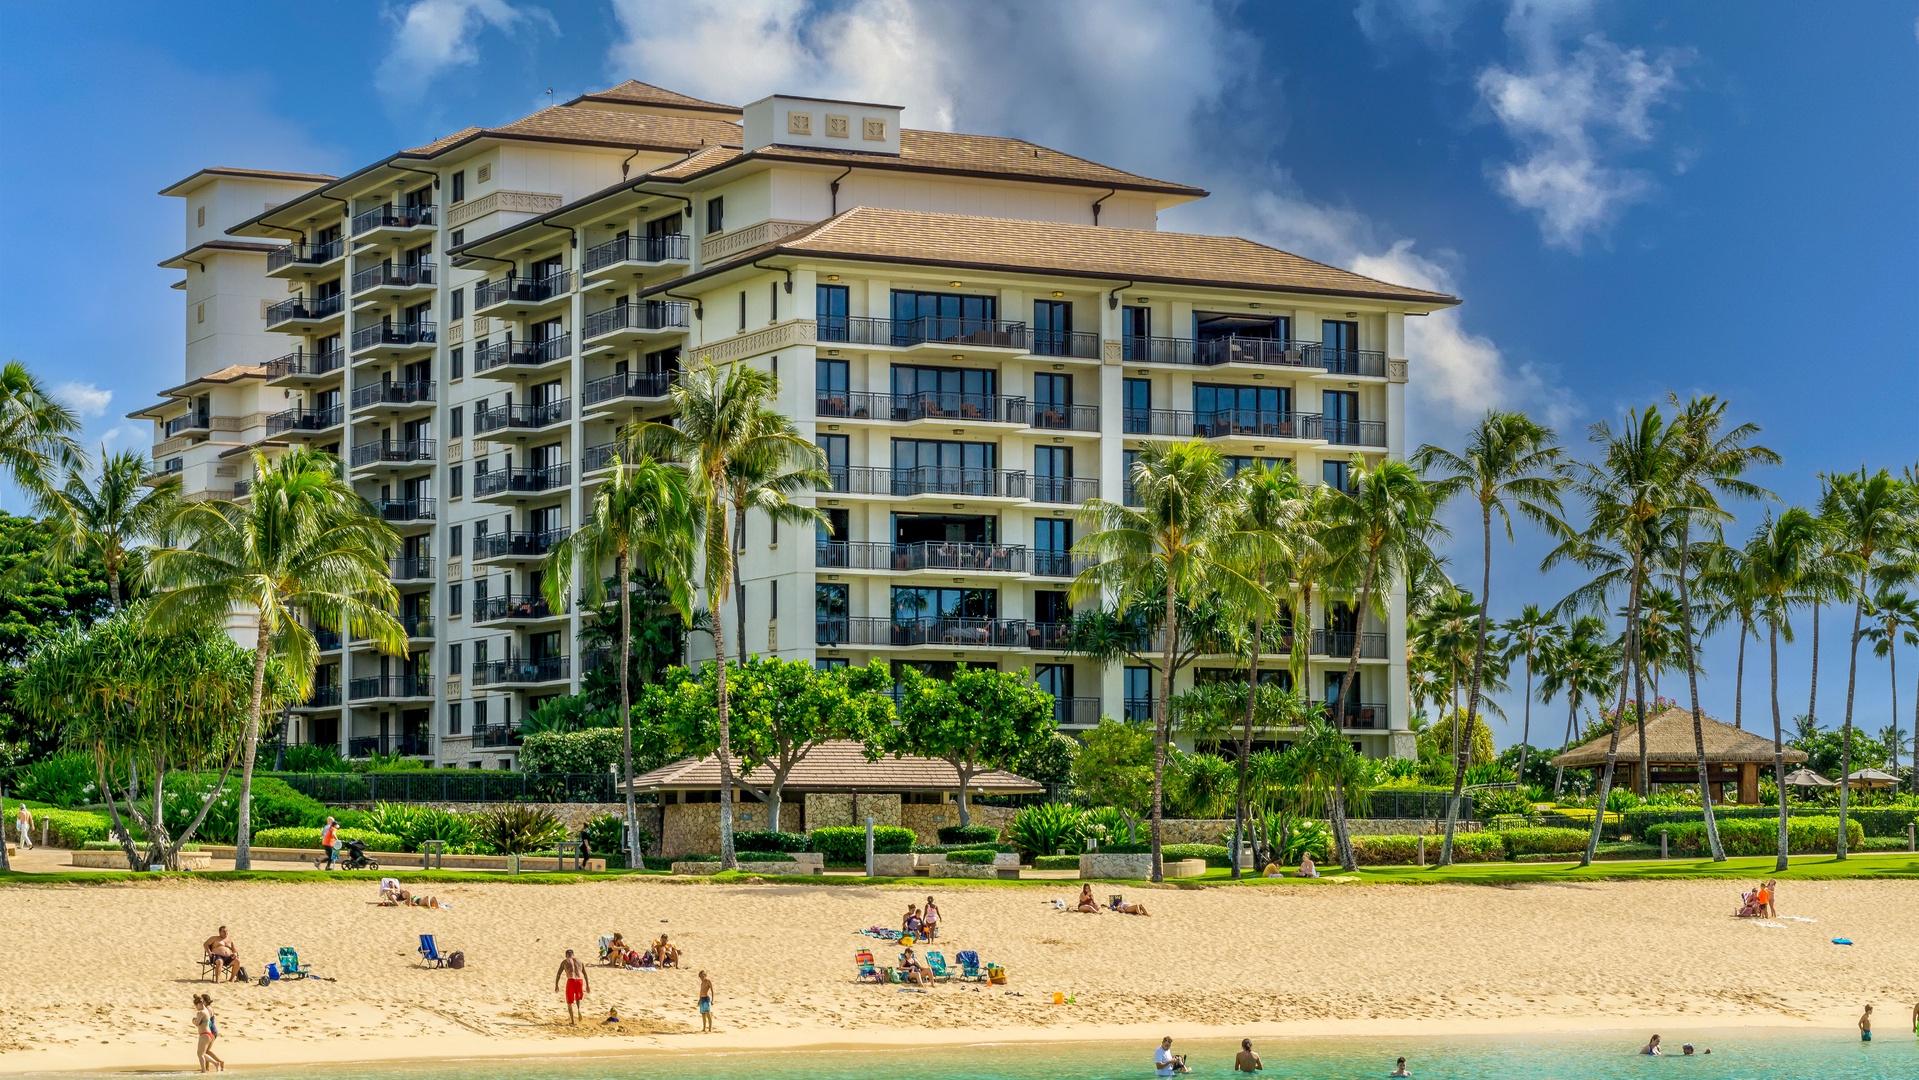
{"x": 979, "y": 332}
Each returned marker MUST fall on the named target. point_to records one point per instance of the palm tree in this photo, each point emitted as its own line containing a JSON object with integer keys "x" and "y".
{"x": 1271, "y": 509}
{"x": 641, "y": 516}
{"x": 1578, "y": 662}
{"x": 1873, "y": 515}
{"x": 36, "y": 432}
{"x": 766, "y": 478}
{"x": 1530, "y": 633}
{"x": 1331, "y": 776}
{"x": 1895, "y": 617}
{"x": 108, "y": 519}
{"x": 1176, "y": 542}
{"x": 1446, "y": 634}
{"x": 304, "y": 542}
{"x": 1786, "y": 560}
{"x": 1726, "y": 581}
{"x": 1510, "y": 462}
{"x": 737, "y": 451}
{"x": 1312, "y": 568}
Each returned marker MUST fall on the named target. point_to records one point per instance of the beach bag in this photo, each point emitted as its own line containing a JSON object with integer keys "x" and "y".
{"x": 995, "y": 974}
{"x": 241, "y": 975}
{"x": 456, "y": 960}
{"x": 273, "y": 972}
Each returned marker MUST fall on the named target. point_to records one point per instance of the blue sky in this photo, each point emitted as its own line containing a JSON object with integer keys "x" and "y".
{"x": 1632, "y": 198}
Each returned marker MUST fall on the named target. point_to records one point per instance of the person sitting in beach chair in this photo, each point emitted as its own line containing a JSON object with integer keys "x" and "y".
{"x": 390, "y": 892}
{"x": 914, "y": 971}
{"x": 665, "y": 953}
{"x": 614, "y": 953}
{"x": 222, "y": 957}
{"x": 969, "y": 965}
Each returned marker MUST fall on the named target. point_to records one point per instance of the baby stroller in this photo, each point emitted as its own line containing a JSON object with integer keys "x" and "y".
{"x": 353, "y": 857}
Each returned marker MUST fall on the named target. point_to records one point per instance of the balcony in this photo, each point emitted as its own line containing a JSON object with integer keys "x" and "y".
{"x": 393, "y": 339}
{"x": 411, "y": 568}
{"x": 390, "y": 686}
{"x": 1353, "y": 362}
{"x": 326, "y": 640}
{"x": 1212, "y": 352}
{"x": 1355, "y": 432}
{"x": 305, "y": 421}
{"x": 518, "y": 356}
{"x": 417, "y": 625}
{"x": 1063, "y": 489}
{"x": 242, "y": 489}
{"x": 946, "y": 557}
{"x": 627, "y": 386}
{"x": 302, "y": 313}
{"x": 521, "y": 481}
{"x": 324, "y": 696}
{"x": 300, "y": 259}
{"x": 1076, "y": 711}
{"x": 632, "y": 256}
{"x": 396, "y": 395}
{"x": 514, "y": 609}
{"x": 1055, "y": 417}
{"x": 945, "y": 408}
{"x": 405, "y": 511}
{"x": 1060, "y": 564}
{"x": 302, "y": 365}
{"x": 517, "y": 545}
{"x": 407, "y": 744}
{"x": 1364, "y": 716}
{"x": 528, "y": 293}
{"x": 1339, "y": 645}
{"x": 509, "y": 418}
{"x": 1222, "y": 424}
{"x": 515, "y": 671}
{"x": 387, "y": 452}
{"x": 391, "y": 220}
{"x": 937, "y": 632}
{"x": 611, "y": 326}
{"x": 595, "y": 458}
{"x": 392, "y": 280}
{"x": 193, "y": 423}
{"x": 1048, "y": 636}
{"x": 933, "y": 330}
{"x": 930, "y": 480}
{"x": 1139, "y": 710}
{"x": 1078, "y": 345}
{"x": 496, "y": 735}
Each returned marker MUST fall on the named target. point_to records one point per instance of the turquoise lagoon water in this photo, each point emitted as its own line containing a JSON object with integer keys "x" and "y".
{"x": 1736, "y": 1055}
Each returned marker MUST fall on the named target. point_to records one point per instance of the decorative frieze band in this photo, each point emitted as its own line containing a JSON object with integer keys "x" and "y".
{"x": 515, "y": 202}
{"x": 720, "y": 245}
{"x": 769, "y": 339}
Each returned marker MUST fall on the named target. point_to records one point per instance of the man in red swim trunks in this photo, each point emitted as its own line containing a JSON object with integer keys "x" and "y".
{"x": 573, "y": 973}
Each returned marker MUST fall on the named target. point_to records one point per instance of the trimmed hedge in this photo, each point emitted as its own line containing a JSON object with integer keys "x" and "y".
{"x": 942, "y": 849}
{"x": 978, "y": 857}
{"x": 845, "y": 845}
{"x": 303, "y": 837}
{"x": 969, "y": 835}
{"x": 762, "y": 856}
{"x": 1747, "y": 836}
{"x": 767, "y": 840}
{"x": 1523, "y": 842}
{"x": 1882, "y": 843}
{"x": 1403, "y": 850}
{"x": 1056, "y": 862}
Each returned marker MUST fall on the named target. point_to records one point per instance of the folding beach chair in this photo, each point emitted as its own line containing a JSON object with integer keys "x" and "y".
{"x": 969, "y": 965}
{"x": 606, "y": 948}
{"x": 430, "y": 952}
{"x": 867, "y": 971}
{"x": 287, "y": 967}
{"x": 936, "y": 963}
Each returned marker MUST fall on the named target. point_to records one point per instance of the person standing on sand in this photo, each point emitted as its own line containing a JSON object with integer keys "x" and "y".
{"x": 1247, "y": 1061}
{"x": 574, "y": 974}
{"x": 706, "y": 1004}
{"x": 1865, "y": 1025}
{"x": 25, "y": 820}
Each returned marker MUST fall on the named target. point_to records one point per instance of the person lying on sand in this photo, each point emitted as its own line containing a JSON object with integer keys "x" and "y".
{"x": 1086, "y": 901}
{"x": 1128, "y": 907}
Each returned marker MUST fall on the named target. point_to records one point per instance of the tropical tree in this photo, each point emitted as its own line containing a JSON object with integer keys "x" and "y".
{"x": 1576, "y": 661}
{"x": 739, "y": 453}
{"x": 641, "y": 517}
{"x": 1530, "y": 633}
{"x": 1332, "y": 778}
{"x": 1872, "y": 515}
{"x": 977, "y": 720}
{"x": 304, "y": 542}
{"x": 1895, "y": 617}
{"x": 108, "y": 519}
{"x": 1271, "y": 512}
{"x": 1730, "y": 597}
{"x": 1175, "y": 542}
{"x": 1510, "y": 462}
{"x": 36, "y": 432}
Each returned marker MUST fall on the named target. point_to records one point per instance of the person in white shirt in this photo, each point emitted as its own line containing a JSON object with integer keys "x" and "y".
{"x": 1165, "y": 1062}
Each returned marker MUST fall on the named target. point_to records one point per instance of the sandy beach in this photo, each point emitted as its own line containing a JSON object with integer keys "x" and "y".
{"x": 101, "y": 975}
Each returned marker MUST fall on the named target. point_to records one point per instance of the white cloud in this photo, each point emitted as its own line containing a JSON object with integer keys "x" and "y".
{"x": 127, "y": 436}
{"x": 84, "y": 398}
{"x": 433, "y": 36}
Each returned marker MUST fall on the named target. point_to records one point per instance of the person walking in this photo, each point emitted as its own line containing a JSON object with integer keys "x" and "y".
{"x": 573, "y": 974}
{"x": 706, "y": 1004}
{"x": 1865, "y": 1025}
{"x": 330, "y": 840}
{"x": 206, "y": 1030}
{"x": 24, "y": 819}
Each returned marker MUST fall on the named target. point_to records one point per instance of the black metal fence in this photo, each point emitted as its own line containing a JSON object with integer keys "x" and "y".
{"x": 1415, "y": 804}
{"x": 454, "y": 785}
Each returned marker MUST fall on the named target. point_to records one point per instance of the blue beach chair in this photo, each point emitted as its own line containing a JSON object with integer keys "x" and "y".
{"x": 430, "y": 952}
{"x": 969, "y": 964}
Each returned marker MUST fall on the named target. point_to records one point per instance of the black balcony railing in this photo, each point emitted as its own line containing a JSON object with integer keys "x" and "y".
{"x": 1059, "y": 564}
{"x": 406, "y": 744}
{"x": 941, "y": 632}
{"x": 395, "y": 335}
{"x": 1222, "y": 423}
{"x": 417, "y": 626}
{"x": 521, "y": 480}
{"x": 650, "y": 315}
{"x": 514, "y": 670}
{"x": 411, "y": 568}
{"x": 305, "y": 420}
{"x": 1081, "y": 344}
{"x": 984, "y": 408}
{"x": 504, "y": 417}
{"x": 1339, "y": 643}
{"x": 393, "y": 452}
{"x": 393, "y": 276}
{"x": 416, "y": 392}
{"x": 193, "y": 421}
{"x": 1364, "y": 715}
{"x": 1063, "y": 489}
{"x": 327, "y": 640}
{"x": 929, "y": 480}
{"x": 304, "y": 309}
{"x": 389, "y": 216}
{"x": 1355, "y": 432}
{"x": 1272, "y": 352}
{"x": 511, "y": 353}
{"x": 1139, "y": 709}
{"x": 1353, "y": 362}
{"x": 303, "y": 362}
{"x": 643, "y": 384}
{"x": 519, "y": 290}
{"x": 496, "y": 735}
{"x": 1076, "y": 711}
{"x": 523, "y": 607}
{"x": 324, "y": 696}
{"x": 976, "y": 333}
{"x": 242, "y": 488}
{"x": 405, "y": 509}
{"x": 672, "y": 247}
{"x": 594, "y": 458}
{"x": 390, "y": 686}
{"x": 1048, "y": 636}
{"x": 502, "y": 545}
{"x": 300, "y": 254}
{"x": 930, "y": 555}
{"x": 1055, "y": 417}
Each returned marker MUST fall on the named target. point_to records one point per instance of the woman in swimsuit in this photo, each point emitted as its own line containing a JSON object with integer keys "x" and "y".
{"x": 1086, "y": 901}
{"x": 208, "y": 1030}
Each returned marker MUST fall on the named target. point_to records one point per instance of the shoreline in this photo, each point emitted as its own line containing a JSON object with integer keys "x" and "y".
{"x": 253, "y": 1054}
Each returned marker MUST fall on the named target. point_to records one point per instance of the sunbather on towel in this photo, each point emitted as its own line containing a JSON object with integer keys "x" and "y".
{"x": 1128, "y": 907}
{"x": 1086, "y": 901}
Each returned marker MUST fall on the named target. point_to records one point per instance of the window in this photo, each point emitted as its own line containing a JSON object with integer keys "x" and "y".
{"x": 479, "y": 715}
{"x": 1052, "y": 327}
{"x": 1052, "y": 547}
{"x": 1135, "y": 328}
{"x": 1338, "y": 336}
{"x": 456, "y": 361}
{"x": 453, "y": 658}
{"x": 742, "y": 309}
{"x": 1139, "y": 693}
{"x": 834, "y": 447}
{"x": 1057, "y": 680}
{"x": 1051, "y": 607}
{"x": 773, "y": 600}
{"x": 1052, "y": 401}
{"x": 930, "y": 391}
{"x": 829, "y": 304}
{"x": 454, "y": 536}
{"x": 915, "y": 602}
{"x": 457, "y": 304}
{"x": 1238, "y": 463}
{"x": 829, "y": 614}
{"x": 456, "y": 238}
{"x": 456, "y": 420}
{"x": 1243, "y": 410}
{"x": 453, "y": 716}
{"x": 830, "y": 663}
{"x": 829, "y": 388}
{"x": 454, "y": 478}
{"x": 453, "y": 597}
{"x": 715, "y": 214}
{"x": 925, "y": 316}
{"x": 772, "y": 302}
{"x": 1335, "y": 474}
{"x": 459, "y": 188}
{"x": 1052, "y": 473}
{"x": 1136, "y": 399}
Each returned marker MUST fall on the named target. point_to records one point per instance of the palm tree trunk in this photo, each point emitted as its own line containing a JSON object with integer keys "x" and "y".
{"x": 1162, "y": 725}
{"x": 1612, "y": 742}
{"x": 1472, "y": 682}
{"x": 633, "y": 854}
{"x": 1739, "y": 677}
{"x": 728, "y": 861}
{"x": 1572, "y": 711}
{"x": 1812, "y": 696}
{"x": 1915, "y": 736}
{"x": 1692, "y": 682}
{"x": 1246, "y": 743}
{"x": 739, "y": 586}
{"x": 1344, "y": 842}
{"x": 1638, "y": 664}
{"x": 1892, "y": 662}
{"x": 1526, "y": 725}
{"x": 1778, "y": 745}
{"x": 1845, "y": 728}
{"x": 250, "y": 747}
{"x": 1342, "y": 836}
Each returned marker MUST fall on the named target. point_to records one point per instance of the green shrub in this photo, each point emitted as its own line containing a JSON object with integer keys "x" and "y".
{"x": 308, "y": 758}
{"x": 1403, "y": 850}
{"x": 1754, "y": 836}
{"x": 1110, "y": 824}
{"x": 1307, "y": 838}
{"x": 517, "y": 830}
{"x": 969, "y": 834}
{"x": 63, "y": 780}
{"x": 764, "y": 840}
{"x": 606, "y": 836}
{"x": 1048, "y": 828}
{"x": 1216, "y": 855}
{"x": 1488, "y": 804}
{"x": 590, "y": 751}
{"x": 1882, "y": 843}
{"x": 415, "y": 824}
{"x": 763, "y": 856}
{"x": 658, "y": 862}
{"x": 1543, "y": 841}
{"x": 304, "y": 837}
{"x": 110, "y": 845}
{"x": 845, "y": 845}
{"x": 972, "y": 858}
{"x": 1621, "y": 799}
{"x": 1056, "y": 862}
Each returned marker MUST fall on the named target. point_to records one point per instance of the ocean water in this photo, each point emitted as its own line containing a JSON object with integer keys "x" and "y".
{"x": 1736, "y": 1055}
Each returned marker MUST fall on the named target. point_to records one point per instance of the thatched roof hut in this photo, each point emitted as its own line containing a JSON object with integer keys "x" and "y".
{"x": 1733, "y": 755}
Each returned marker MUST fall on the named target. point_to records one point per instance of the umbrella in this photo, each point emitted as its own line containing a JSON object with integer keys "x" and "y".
{"x": 1806, "y": 778}
{"x": 1873, "y": 778}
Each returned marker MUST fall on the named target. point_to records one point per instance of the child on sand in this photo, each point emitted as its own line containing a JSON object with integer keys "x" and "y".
{"x": 1865, "y": 1025}
{"x": 706, "y": 1004}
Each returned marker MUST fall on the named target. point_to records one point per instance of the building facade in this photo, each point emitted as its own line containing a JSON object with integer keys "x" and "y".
{"x": 978, "y": 332}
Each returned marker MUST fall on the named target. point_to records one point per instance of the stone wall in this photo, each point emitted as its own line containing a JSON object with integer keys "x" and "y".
{"x": 694, "y": 828}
